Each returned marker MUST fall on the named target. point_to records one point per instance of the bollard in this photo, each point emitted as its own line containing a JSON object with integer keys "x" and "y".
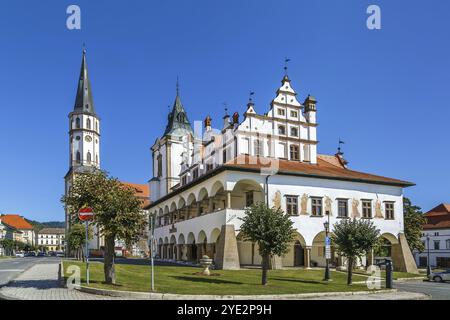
{"x": 388, "y": 274}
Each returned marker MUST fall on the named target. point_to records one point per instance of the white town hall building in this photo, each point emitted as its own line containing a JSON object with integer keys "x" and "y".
{"x": 204, "y": 181}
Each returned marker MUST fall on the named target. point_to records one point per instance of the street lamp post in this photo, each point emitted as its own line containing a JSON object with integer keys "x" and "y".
{"x": 428, "y": 256}
{"x": 327, "y": 249}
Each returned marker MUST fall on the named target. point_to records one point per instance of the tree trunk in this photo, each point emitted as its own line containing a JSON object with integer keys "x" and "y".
{"x": 265, "y": 268}
{"x": 109, "y": 269}
{"x": 350, "y": 271}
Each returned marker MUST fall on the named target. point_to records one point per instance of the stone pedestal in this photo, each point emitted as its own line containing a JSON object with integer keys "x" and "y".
{"x": 227, "y": 256}
{"x": 402, "y": 257}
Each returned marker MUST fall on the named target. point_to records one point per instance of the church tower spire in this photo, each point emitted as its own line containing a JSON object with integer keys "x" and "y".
{"x": 84, "y": 101}
{"x": 84, "y": 131}
{"x": 178, "y": 123}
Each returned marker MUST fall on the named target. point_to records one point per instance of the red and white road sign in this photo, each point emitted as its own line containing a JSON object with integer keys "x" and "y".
{"x": 86, "y": 214}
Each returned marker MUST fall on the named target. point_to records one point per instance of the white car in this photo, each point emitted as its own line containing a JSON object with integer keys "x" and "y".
{"x": 440, "y": 276}
{"x": 20, "y": 255}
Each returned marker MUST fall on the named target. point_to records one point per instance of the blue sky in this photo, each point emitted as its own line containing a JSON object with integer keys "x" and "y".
{"x": 384, "y": 92}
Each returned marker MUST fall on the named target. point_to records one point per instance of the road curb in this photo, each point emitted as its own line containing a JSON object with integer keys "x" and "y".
{"x": 172, "y": 296}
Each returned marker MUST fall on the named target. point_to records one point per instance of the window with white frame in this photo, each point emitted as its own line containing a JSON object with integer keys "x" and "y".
{"x": 294, "y": 132}
{"x": 367, "y": 209}
{"x": 342, "y": 208}
{"x": 258, "y": 148}
{"x": 389, "y": 210}
{"x": 316, "y": 206}
{"x": 292, "y": 205}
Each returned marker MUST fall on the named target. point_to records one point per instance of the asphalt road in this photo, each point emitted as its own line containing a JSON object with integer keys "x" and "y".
{"x": 11, "y": 268}
{"x": 437, "y": 290}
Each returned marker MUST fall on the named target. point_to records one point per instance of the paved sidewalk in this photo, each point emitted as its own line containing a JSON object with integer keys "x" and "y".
{"x": 40, "y": 282}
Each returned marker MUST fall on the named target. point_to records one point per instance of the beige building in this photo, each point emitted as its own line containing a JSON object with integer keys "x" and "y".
{"x": 52, "y": 239}
{"x": 23, "y": 230}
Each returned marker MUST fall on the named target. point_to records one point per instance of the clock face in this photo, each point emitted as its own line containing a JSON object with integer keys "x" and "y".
{"x": 88, "y": 139}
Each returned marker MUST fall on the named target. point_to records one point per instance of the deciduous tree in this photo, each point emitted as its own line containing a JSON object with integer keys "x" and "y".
{"x": 354, "y": 239}
{"x": 118, "y": 212}
{"x": 271, "y": 229}
{"x": 413, "y": 221}
{"x": 76, "y": 239}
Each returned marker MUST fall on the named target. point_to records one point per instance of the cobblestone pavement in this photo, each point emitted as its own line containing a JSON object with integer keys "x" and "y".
{"x": 40, "y": 282}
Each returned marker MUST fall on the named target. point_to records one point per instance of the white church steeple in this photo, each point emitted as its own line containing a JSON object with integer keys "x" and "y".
{"x": 84, "y": 125}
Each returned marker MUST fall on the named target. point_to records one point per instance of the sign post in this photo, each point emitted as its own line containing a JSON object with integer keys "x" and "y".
{"x": 327, "y": 248}
{"x": 86, "y": 214}
{"x": 152, "y": 253}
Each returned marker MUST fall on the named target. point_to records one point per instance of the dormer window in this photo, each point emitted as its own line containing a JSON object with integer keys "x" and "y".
{"x": 294, "y": 114}
{"x": 281, "y": 112}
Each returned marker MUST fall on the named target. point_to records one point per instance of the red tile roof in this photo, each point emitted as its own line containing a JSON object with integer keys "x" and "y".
{"x": 323, "y": 169}
{"x": 15, "y": 221}
{"x": 326, "y": 168}
{"x": 438, "y": 217}
{"x": 142, "y": 191}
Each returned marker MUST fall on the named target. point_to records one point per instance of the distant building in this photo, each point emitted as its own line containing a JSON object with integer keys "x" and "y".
{"x": 21, "y": 230}
{"x": 52, "y": 239}
{"x": 7, "y": 232}
{"x": 436, "y": 234}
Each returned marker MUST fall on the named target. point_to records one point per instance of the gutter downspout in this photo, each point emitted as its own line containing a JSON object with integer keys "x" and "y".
{"x": 266, "y": 187}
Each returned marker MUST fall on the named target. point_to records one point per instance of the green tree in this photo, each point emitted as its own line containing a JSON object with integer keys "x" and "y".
{"x": 413, "y": 221}
{"x": 19, "y": 245}
{"x": 118, "y": 212}
{"x": 76, "y": 239}
{"x": 354, "y": 239}
{"x": 271, "y": 229}
{"x": 8, "y": 245}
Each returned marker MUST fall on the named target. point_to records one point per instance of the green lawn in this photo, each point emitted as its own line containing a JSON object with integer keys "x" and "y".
{"x": 183, "y": 280}
{"x": 6, "y": 257}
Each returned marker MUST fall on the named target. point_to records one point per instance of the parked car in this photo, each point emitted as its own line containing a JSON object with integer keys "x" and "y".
{"x": 41, "y": 254}
{"x": 30, "y": 254}
{"x": 20, "y": 255}
{"x": 52, "y": 253}
{"x": 60, "y": 254}
{"x": 440, "y": 276}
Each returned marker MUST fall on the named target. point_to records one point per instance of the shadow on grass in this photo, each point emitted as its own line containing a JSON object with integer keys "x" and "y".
{"x": 299, "y": 280}
{"x": 205, "y": 280}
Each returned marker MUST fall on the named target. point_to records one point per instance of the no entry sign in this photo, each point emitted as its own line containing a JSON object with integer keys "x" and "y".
{"x": 86, "y": 214}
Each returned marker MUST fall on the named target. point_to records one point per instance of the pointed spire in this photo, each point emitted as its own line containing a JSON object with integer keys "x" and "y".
{"x": 84, "y": 101}
{"x": 178, "y": 123}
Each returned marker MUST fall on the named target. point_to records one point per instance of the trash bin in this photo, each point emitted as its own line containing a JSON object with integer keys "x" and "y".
{"x": 389, "y": 283}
